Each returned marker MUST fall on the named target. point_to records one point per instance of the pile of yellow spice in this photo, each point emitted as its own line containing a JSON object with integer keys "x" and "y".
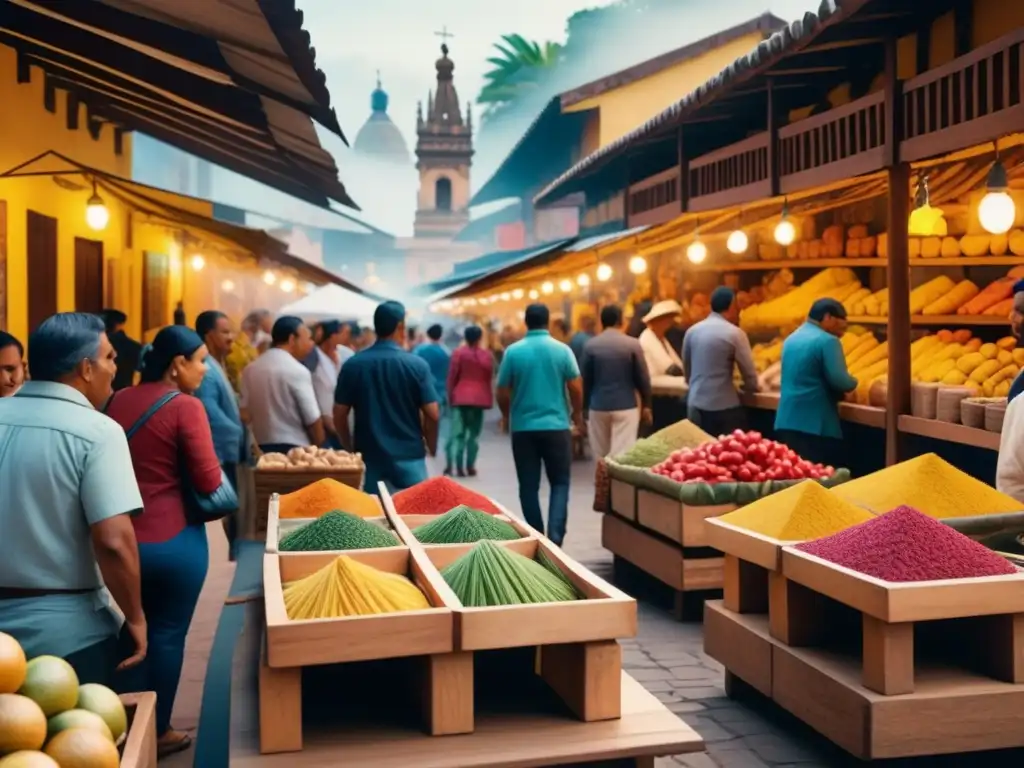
{"x": 801, "y": 512}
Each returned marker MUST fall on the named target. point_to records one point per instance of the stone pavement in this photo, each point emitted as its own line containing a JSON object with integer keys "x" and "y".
{"x": 666, "y": 656}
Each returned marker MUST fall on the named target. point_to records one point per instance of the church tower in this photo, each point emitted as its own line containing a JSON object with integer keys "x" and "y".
{"x": 444, "y": 149}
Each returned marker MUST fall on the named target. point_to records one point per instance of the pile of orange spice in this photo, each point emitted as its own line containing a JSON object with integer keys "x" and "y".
{"x": 325, "y": 496}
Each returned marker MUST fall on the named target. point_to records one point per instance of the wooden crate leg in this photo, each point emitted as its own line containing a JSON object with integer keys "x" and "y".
{"x": 1000, "y": 646}
{"x": 795, "y": 613}
{"x": 280, "y": 699}
{"x": 888, "y": 656}
{"x": 745, "y": 586}
{"x": 587, "y": 677}
{"x": 644, "y": 762}
{"x": 448, "y": 693}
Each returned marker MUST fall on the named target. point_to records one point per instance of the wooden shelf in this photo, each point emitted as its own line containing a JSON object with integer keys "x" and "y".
{"x": 961, "y": 320}
{"x": 867, "y": 415}
{"x": 953, "y": 433}
{"x": 938, "y": 263}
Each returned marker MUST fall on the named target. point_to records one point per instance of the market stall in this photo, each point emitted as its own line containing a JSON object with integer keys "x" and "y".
{"x": 332, "y": 302}
{"x": 882, "y": 626}
{"x": 449, "y": 617}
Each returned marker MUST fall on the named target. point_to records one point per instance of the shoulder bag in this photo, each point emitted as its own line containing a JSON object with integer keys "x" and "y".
{"x": 199, "y": 508}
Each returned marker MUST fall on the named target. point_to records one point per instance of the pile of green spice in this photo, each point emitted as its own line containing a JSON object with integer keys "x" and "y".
{"x": 464, "y": 525}
{"x": 655, "y": 449}
{"x": 336, "y": 531}
{"x": 489, "y": 575}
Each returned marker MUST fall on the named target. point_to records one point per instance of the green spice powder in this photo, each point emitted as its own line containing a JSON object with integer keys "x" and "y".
{"x": 336, "y": 531}
{"x": 489, "y": 575}
{"x": 464, "y": 525}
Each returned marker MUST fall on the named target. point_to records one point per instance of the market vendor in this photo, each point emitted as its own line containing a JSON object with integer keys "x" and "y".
{"x": 663, "y": 360}
{"x": 1017, "y": 327}
{"x": 814, "y": 381}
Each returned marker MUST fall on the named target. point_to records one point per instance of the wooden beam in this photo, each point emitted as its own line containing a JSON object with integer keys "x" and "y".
{"x": 963, "y": 25}
{"x": 72, "y": 110}
{"x": 773, "y": 119}
{"x": 805, "y": 71}
{"x": 93, "y": 123}
{"x": 24, "y": 68}
{"x": 839, "y": 44}
{"x": 118, "y": 141}
{"x": 923, "y": 40}
{"x": 49, "y": 95}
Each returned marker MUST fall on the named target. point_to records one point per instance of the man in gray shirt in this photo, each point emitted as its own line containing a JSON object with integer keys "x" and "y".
{"x": 712, "y": 349}
{"x": 615, "y": 378}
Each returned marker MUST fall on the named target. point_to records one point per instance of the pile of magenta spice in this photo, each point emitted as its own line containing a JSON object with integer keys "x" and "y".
{"x": 906, "y": 545}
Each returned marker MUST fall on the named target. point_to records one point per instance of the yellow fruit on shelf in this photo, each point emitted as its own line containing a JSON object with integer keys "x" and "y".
{"x": 1018, "y": 356}
{"x": 1004, "y": 357}
{"x": 12, "y": 664}
{"x": 969, "y": 362}
{"x": 867, "y": 344}
{"x": 1007, "y": 342}
{"x": 875, "y": 355}
{"x": 955, "y": 378}
{"x": 974, "y": 245}
{"x": 936, "y": 371}
{"x": 988, "y": 351}
{"x": 1002, "y": 389}
{"x": 948, "y": 304}
{"x": 925, "y": 294}
{"x": 983, "y": 371}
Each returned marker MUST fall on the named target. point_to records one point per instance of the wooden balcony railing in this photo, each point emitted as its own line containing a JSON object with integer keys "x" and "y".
{"x": 656, "y": 199}
{"x": 843, "y": 142}
{"x": 975, "y": 98}
{"x": 732, "y": 175}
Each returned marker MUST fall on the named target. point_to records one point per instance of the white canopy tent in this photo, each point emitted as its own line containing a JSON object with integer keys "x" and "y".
{"x": 332, "y": 302}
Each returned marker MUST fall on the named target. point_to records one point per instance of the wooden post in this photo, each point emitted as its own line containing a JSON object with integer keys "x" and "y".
{"x": 684, "y": 173}
{"x": 888, "y": 666}
{"x": 898, "y": 269}
{"x": 773, "y": 138}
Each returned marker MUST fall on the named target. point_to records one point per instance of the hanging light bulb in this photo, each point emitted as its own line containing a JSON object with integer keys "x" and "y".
{"x": 198, "y": 262}
{"x": 925, "y": 221}
{"x": 492, "y": 299}
{"x": 738, "y": 242}
{"x": 96, "y": 214}
{"x": 433, "y": 308}
{"x": 565, "y": 285}
{"x": 506, "y": 296}
{"x": 583, "y": 280}
{"x": 227, "y": 286}
{"x": 470, "y": 302}
{"x": 485, "y": 301}
{"x": 533, "y": 294}
{"x": 997, "y": 211}
{"x": 696, "y": 251}
{"x": 287, "y": 285}
{"x": 785, "y": 232}
{"x": 638, "y": 265}
{"x": 269, "y": 277}
{"x": 518, "y": 293}
{"x": 604, "y": 273}
{"x": 547, "y": 288}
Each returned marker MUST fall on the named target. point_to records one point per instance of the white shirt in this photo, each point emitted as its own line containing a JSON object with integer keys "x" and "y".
{"x": 325, "y": 379}
{"x": 277, "y": 391}
{"x": 658, "y": 353}
{"x": 1010, "y": 465}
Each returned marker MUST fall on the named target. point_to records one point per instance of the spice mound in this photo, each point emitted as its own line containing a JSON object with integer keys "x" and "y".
{"x": 930, "y": 485}
{"x": 347, "y": 587}
{"x": 490, "y": 575}
{"x": 439, "y": 494}
{"x": 337, "y": 531}
{"x": 905, "y": 545}
{"x": 464, "y": 525}
{"x": 655, "y": 449}
{"x": 801, "y": 512}
{"x": 324, "y": 496}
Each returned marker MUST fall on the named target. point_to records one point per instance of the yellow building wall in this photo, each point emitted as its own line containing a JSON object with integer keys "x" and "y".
{"x": 29, "y": 130}
{"x": 623, "y": 109}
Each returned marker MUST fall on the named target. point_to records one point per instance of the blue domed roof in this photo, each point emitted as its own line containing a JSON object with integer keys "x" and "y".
{"x": 379, "y": 137}
{"x": 379, "y": 98}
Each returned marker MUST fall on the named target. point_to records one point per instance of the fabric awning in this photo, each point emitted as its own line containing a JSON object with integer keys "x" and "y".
{"x": 469, "y": 273}
{"x": 161, "y": 68}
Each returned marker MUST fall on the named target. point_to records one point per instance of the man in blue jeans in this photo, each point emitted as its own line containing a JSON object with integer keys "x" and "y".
{"x": 533, "y": 379}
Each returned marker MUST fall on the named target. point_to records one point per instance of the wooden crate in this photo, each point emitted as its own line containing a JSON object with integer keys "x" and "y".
{"x": 270, "y": 481}
{"x": 579, "y": 656}
{"x": 278, "y": 528}
{"x": 291, "y": 645}
{"x": 139, "y": 747}
{"x": 682, "y": 523}
{"x": 752, "y": 564}
{"x": 663, "y": 560}
{"x": 741, "y": 643}
{"x": 623, "y": 498}
{"x": 985, "y": 616}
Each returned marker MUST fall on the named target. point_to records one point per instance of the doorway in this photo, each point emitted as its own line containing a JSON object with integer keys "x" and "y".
{"x": 42, "y": 268}
{"x": 88, "y": 276}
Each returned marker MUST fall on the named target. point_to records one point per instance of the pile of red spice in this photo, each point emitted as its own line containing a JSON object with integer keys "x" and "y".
{"x": 438, "y": 495}
{"x": 906, "y": 545}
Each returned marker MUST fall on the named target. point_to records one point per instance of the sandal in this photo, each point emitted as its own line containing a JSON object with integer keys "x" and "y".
{"x": 168, "y": 747}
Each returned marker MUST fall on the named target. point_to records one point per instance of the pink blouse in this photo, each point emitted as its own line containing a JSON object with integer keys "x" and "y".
{"x": 471, "y": 378}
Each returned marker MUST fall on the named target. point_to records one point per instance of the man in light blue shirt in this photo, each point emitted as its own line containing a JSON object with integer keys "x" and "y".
{"x": 534, "y": 377}
{"x": 69, "y": 490}
{"x": 814, "y": 381}
{"x": 439, "y": 360}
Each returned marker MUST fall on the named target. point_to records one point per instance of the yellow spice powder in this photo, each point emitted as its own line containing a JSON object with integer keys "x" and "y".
{"x": 802, "y": 512}
{"x": 929, "y": 485}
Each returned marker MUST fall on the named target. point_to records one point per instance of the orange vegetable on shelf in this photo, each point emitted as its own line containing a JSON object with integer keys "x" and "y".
{"x": 1007, "y": 342}
{"x": 991, "y": 295}
{"x": 868, "y": 247}
{"x": 961, "y": 336}
{"x": 1001, "y": 308}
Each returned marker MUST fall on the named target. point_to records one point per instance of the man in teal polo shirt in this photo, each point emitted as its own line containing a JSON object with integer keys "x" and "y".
{"x": 533, "y": 379}
{"x": 69, "y": 490}
{"x": 396, "y": 408}
{"x": 814, "y": 381}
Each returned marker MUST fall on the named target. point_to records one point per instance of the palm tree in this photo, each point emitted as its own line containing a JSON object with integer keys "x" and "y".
{"x": 521, "y": 67}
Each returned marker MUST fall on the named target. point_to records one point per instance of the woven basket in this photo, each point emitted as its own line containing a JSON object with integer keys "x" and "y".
{"x": 923, "y": 399}
{"x": 947, "y": 403}
{"x": 994, "y": 413}
{"x": 972, "y": 412}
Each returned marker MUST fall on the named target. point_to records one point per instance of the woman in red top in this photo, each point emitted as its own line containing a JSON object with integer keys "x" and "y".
{"x": 174, "y": 441}
{"x": 470, "y": 393}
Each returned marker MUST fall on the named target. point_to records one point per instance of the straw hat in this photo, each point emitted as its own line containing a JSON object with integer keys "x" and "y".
{"x": 662, "y": 309}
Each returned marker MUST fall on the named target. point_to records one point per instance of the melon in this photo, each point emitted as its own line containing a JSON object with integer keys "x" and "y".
{"x": 22, "y": 723}
{"x": 12, "y": 664}
{"x": 83, "y": 748}
{"x": 27, "y": 759}
{"x": 77, "y": 718}
{"x": 51, "y": 683}
{"x": 105, "y": 703}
